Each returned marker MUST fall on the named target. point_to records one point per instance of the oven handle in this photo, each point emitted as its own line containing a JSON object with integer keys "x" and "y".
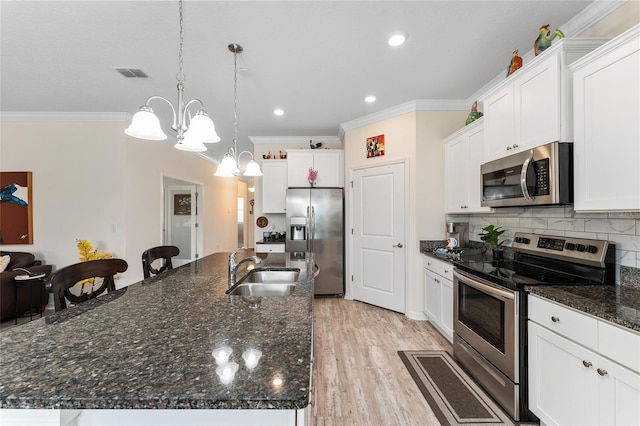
{"x": 523, "y": 178}
{"x": 479, "y": 285}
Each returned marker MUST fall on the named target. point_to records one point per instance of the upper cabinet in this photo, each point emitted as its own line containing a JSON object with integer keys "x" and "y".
{"x": 533, "y": 106}
{"x": 328, "y": 162}
{"x": 607, "y": 134}
{"x": 463, "y": 156}
{"x": 274, "y": 186}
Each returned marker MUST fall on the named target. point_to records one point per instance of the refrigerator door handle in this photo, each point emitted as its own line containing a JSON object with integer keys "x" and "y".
{"x": 313, "y": 227}
{"x": 307, "y": 237}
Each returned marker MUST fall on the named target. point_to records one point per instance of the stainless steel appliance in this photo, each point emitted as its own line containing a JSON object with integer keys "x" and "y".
{"x": 490, "y": 307}
{"x": 543, "y": 175}
{"x": 315, "y": 218}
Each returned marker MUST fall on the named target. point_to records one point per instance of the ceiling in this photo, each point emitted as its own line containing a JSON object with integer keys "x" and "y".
{"x": 316, "y": 60}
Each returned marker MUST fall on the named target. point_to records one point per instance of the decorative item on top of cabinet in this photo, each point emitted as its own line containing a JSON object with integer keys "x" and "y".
{"x": 545, "y": 37}
{"x": 463, "y": 156}
{"x": 606, "y": 93}
{"x": 533, "y": 106}
{"x": 515, "y": 64}
{"x": 329, "y": 164}
{"x": 474, "y": 114}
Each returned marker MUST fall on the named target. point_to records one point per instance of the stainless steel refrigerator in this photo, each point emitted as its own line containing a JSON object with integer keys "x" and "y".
{"x": 315, "y": 222}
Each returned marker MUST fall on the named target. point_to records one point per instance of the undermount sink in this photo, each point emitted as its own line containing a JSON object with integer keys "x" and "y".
{"x": 263, "y": 289}
{"x": 266, "y": 282}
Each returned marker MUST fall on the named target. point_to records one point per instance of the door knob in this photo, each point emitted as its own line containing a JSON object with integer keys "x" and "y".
{"x": 399, "y": 245}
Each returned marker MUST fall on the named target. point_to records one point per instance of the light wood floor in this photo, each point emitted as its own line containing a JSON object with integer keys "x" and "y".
{"x": 358, "y": 377}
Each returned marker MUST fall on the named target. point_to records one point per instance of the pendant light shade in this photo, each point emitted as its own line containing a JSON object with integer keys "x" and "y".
{"x": 227, "y": 168}
{"x": 190, "y": 145}
{"x": 253, "y": 169}
{"x": 145, "y": 125}
{"x": 202, "y": 128}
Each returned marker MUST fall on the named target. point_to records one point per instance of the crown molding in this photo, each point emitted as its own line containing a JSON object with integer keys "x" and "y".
{"x": 21, "y": 116}
{"x": 263, "y": 140}
{"x": 405, "y": 108}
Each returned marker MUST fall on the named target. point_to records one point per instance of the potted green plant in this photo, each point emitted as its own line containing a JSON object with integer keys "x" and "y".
{"x": 491, "y": 235}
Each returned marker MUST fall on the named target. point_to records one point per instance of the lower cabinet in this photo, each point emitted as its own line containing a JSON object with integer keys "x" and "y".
{"x": 571, "y": 382}
{"x": 438, "y": 295}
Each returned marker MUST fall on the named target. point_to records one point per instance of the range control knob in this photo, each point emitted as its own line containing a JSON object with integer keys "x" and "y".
{"x": 570, "y": 246}
{"x": 581, "y": 247}
{"x": 592, "y": 249}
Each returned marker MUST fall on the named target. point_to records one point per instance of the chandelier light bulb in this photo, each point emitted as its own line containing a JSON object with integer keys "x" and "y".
{"x": 222, "y": 354}
{"x": 251, "y": 358}
{"x": 226, "y": 372}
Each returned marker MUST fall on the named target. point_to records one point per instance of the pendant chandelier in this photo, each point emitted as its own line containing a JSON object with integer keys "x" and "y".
{"x": 200, "y": 128}
{"x": 229, "y": 167}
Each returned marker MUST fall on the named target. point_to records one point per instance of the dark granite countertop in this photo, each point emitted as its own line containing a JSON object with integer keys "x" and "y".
{"x": 615, "y": 303}
{"x": 150, "y": 345}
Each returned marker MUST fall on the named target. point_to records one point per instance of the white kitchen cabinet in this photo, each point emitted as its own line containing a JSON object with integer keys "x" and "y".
{"x": 607, "y": 106}
{"x": 438, "y": 295}
{"x": 533, "y": 106}
{"x": 582, "y": 370}
{"x": 328, "y": 162}
{"x": 463, "y": 156}
{"x": 274, "y": 186}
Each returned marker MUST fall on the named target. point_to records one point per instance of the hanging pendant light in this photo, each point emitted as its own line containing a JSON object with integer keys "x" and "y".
{"x": 192, "y": 136}
{"x": 229, "y": 166}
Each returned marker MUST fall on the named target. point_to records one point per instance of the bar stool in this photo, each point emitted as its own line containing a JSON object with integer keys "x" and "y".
{"x": 161, "y": 252}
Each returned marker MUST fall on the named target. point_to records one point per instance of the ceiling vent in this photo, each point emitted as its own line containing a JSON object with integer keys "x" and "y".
{"x": 132, "y": 72}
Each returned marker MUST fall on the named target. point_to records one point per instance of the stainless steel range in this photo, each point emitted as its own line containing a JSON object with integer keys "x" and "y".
{"x": 490, "y": 307}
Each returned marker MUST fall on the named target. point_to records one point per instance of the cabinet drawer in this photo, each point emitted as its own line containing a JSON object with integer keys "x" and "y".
{"x": 574, "y": 325}
{"x": 442, "y": 268}
{"x": 269, "y": 248}
{"x": 619, "y": 345}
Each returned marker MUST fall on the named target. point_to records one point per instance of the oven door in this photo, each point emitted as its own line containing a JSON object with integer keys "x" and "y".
{"x": 485, "y": 316}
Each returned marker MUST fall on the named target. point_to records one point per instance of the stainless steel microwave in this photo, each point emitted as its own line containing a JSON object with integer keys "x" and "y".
{"x": 538, "y": 176}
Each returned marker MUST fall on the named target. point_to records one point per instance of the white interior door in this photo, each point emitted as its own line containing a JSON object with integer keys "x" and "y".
{"x": 182, "y": 222}
{"x": 378, "y": 236}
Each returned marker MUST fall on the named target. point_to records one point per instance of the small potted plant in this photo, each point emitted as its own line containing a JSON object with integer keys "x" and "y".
{"x": 491, "y": 235}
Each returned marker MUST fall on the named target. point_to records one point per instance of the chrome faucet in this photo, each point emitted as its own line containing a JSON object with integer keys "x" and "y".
{"x": 234, "y": 266}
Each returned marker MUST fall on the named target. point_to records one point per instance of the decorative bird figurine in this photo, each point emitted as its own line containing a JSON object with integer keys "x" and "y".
{"x": 474, "y": 114}
{"x": 544, "y": 39}
{"x": 314, "y": 145}
{"x": 515, "y": 64}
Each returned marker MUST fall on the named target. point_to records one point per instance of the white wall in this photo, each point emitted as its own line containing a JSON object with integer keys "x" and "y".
{"x": 91, "y": 181}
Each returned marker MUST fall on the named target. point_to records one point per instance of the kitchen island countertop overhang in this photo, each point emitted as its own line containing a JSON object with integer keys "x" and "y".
{"x": 149, "y": 346}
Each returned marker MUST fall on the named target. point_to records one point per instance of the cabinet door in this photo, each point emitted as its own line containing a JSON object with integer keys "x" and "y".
{"x": 563, "y": 383}
{"x": 298, "y": 164}
{"x": 537, "y": 105}
{"x": 274, "y": 186}
{"x": 456, "y": 183}
{"x": 475, "y": 152}
{"x": 446, "y": 308}
{"x": 330, "y": 167}
{"x": 606, "y": 148}
{"x": 619, "y": 394}
{"x": 499, "y": 124}
{"x": 433, "y": 296}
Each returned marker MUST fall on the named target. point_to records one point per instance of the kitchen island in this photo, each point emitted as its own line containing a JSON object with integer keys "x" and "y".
{"x": 143, "y": 354}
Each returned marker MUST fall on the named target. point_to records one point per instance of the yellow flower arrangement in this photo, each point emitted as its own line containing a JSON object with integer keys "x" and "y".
{"x": 87, "y": 252}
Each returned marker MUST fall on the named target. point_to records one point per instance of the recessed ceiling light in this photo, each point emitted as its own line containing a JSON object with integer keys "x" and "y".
{"x": 370, "y": 99}
{"x": 278, "y": 111}
{"x": 397, "y": 38}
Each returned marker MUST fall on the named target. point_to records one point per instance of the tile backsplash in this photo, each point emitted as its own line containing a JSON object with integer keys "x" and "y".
{"x": 621, "y": 228}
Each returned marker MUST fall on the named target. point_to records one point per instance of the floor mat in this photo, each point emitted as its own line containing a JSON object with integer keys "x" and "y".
{"x": 450, "y": 392}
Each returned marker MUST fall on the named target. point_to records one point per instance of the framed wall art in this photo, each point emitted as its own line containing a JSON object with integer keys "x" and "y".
{"x": 375, "y": 146}
{"x": 182, "y": 204}
{"x": 16, "y": 208}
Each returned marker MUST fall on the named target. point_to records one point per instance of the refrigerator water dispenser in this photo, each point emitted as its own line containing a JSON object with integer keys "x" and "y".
{"x": 298, "y": 228}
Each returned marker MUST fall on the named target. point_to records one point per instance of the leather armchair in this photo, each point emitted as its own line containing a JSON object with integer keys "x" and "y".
{"x": 8, "y": 289}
